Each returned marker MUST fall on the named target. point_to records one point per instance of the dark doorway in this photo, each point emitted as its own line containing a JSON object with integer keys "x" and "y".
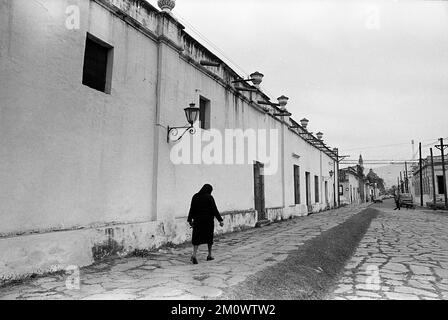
{"x": 316, "y": 189}
{"x": 259, "y": 190}
{"x": 307, "y": 188}
{"x": 296, "y": 184}
{"x": 440, "y": 186}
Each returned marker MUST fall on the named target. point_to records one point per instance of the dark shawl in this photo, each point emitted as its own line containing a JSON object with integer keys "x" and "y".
{"x": 203, "y": 210}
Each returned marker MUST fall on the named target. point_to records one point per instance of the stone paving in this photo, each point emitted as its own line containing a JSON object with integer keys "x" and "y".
{"x": 403, "y": 256}
{"x": 168, "y": 274}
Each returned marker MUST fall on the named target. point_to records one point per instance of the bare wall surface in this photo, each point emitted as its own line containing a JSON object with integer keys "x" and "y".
{"x": 72, "y": 155}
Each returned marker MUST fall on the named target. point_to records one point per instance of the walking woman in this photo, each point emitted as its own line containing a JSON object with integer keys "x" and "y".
{"x": 203, "y": 211}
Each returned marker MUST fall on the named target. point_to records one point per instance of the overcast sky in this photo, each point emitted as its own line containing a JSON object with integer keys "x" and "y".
{"x": 366, "y": 73}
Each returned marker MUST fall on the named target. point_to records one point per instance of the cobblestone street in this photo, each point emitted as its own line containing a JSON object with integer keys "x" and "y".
{"x": 168, "y": 274}
{"x": 404, "y": 255}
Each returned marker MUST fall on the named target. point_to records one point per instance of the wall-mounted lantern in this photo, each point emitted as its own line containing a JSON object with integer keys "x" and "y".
{"x": 282, "y": 102}
{"x": 192, "y": 114}
{"x": 331, "y": 173}
{"x": 256, "y": 78}
{"x": 319, "y": 135}
{"x": 304, "y": 123}
{"x": 166, "y": 5}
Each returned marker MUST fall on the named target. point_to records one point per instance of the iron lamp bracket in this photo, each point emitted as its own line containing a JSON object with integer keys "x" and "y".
{"x": 175, "y": 132}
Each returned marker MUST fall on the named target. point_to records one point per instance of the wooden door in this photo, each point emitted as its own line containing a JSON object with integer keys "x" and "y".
{"x": 259, "y": 190}
{"x": 308, "y": 189}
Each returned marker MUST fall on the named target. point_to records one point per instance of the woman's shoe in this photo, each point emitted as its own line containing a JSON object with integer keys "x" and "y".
{"x": 194, "y": 260}
{"x": 210, "y": 258}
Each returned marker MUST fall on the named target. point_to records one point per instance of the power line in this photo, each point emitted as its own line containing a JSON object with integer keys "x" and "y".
{"x": 388, "y": 145}
{"x": 219, "y": 50}
{"x": 383, "y": 162}
{"x": 375, "y": 147}
{"x": 214, "y": 46}
{"x": 427, "y": 145}
{"x": 367, "y": 160}
{"x": 379, "y": 160}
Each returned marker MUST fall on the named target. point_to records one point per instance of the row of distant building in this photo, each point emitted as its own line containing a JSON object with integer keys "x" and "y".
{"x": 432, "y": 187}
{"x": 355, "y": 187}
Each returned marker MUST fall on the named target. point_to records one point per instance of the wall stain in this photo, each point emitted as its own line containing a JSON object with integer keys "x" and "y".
{"x": 107, "y": 248}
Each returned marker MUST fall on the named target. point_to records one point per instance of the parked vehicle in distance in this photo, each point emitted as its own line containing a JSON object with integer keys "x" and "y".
{"x": 406, "y": 200}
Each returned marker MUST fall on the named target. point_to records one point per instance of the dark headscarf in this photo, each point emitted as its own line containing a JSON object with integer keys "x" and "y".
{"x": 207, "y": 189}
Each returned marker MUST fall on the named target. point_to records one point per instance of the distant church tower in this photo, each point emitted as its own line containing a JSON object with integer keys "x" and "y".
{"x": 361, "y": 161}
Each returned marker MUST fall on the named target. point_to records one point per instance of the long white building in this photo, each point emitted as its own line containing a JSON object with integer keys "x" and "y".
{"x": 88, "y": 91}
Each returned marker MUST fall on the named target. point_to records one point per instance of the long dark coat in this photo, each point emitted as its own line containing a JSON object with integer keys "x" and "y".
{"x": 203, "y": 210}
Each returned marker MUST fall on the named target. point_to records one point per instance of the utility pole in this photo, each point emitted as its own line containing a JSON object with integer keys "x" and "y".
{"x": 335, "y": 184}
{"x": 406, "y": 180}
{"x": 421, "y": 173}
{"x": 433, "y": 180}
{"x": 442, "y": 147}
{"x": 339, "y": 159}
{"x": 338, "y": 179}
{"x": 401, "y": 183}
{"x": 413, "y": 153}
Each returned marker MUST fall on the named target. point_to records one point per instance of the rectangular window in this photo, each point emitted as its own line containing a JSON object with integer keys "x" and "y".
{"x": 316, "y": 189}
{"x": 326, "y": 191}
{"x": 440, "y": 186}
{"x": 204, "y": 113}
{"x": 296, "y": 184}
{"x": 97, "y": 70}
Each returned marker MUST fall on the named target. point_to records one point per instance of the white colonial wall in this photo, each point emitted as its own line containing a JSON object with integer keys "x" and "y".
{"x": 311, "y": 160}
{"x": 233, "y": 184}
{"x": 96, "y": 167}
{"x": 72, "y": 155}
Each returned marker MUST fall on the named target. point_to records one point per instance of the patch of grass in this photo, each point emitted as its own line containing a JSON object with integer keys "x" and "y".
{"x": 309, "y": 272}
